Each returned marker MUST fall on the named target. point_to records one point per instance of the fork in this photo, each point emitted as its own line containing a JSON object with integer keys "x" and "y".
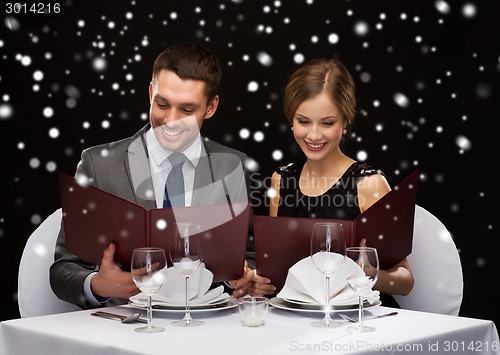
{"x": 349, "y": 319}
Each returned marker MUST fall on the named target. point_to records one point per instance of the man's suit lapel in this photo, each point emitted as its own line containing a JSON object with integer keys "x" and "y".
{"x": 203, "y": 189}
{"x": 219, "y": 178}
{"x": 139, "y": 171}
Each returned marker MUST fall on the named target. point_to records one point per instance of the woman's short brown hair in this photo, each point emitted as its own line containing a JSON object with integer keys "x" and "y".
{"x": 317, "y": 76}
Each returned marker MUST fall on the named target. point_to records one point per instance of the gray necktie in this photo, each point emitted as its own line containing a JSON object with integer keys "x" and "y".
{"x": 174, "y": 187}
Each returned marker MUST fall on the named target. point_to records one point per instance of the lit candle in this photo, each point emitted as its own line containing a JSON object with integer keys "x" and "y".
{"x": 252, "y": 320}
{"x": 253, "y": 310}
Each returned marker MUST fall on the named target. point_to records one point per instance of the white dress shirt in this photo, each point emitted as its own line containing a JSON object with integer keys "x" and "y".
{"x": 161, "y": 166}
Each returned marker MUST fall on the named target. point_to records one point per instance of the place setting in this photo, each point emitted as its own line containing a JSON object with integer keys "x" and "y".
{"x": 170, "y": 299}
{"x": 185, "y": 286}
{"x": 332, "y": 280}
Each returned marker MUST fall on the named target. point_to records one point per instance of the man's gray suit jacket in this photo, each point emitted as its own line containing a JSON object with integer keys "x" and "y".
{"x": 122, "y": 168}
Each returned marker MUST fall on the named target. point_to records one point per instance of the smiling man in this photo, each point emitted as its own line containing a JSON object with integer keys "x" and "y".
{"x": 182, "y": 95}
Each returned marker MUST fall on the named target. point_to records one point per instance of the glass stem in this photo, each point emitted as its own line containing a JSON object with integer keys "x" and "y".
{"x": 327, "y": 309}
{"x": 360, "y": 310}
{"x": 188, "y": 310}
{"x": 150, "y": 311}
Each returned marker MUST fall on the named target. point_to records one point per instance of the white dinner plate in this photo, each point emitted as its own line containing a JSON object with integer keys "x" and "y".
{"x": 316, "y": 308}
{"x": 302, "y": 303}
{"x": 231, "y": 302}
{"x": 222, "y": 298}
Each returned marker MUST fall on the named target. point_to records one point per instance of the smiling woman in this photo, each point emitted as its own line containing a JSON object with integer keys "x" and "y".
{"x": 317, "y": 127}
{"x": 320, "y": 103}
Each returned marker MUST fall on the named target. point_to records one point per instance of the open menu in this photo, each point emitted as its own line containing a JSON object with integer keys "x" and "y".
{"x": 387, "y": 225}
{"x": 92, "y": 218}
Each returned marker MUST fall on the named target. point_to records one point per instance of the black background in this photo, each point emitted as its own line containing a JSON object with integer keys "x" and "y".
{"x": 446, "y": 63}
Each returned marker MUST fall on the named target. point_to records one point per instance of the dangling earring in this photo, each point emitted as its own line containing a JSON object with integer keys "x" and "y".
{"x": 344, "y": 131}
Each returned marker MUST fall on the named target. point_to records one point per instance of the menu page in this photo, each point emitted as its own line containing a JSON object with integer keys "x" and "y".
{"x": 387, "y": 225}
{"x": 92, "y": 218}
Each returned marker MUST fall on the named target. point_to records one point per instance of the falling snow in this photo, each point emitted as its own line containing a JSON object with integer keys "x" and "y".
{"x": 6, "y": 111}
{"x": 265, "y": 59}
{"x": 426, "y": 85}
{"x": 401, "y": 100}
{"x": 253, "y": 86}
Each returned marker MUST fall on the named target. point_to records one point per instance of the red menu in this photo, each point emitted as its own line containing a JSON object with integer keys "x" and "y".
{"x": 387, "y": 225}
{"x": 93, "y": 218}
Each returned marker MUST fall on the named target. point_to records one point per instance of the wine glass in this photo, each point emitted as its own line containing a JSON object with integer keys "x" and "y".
{"x": 327, "y": 253}
{"x": 146, "y": 267}
{"x": 186, "y": 255}
{"x": 367, "y": 259}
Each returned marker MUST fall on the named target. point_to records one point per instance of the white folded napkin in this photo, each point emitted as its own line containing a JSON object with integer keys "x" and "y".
{"x": 173, "y": 291}
{"x": 305, "y": 283}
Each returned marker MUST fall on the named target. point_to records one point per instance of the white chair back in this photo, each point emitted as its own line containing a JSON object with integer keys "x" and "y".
{"x": 436, "y": 267}
{"x": 35, "y": 296}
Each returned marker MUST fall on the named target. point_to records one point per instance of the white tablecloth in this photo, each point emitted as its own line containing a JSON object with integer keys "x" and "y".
{"x": 285, "y": 332}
